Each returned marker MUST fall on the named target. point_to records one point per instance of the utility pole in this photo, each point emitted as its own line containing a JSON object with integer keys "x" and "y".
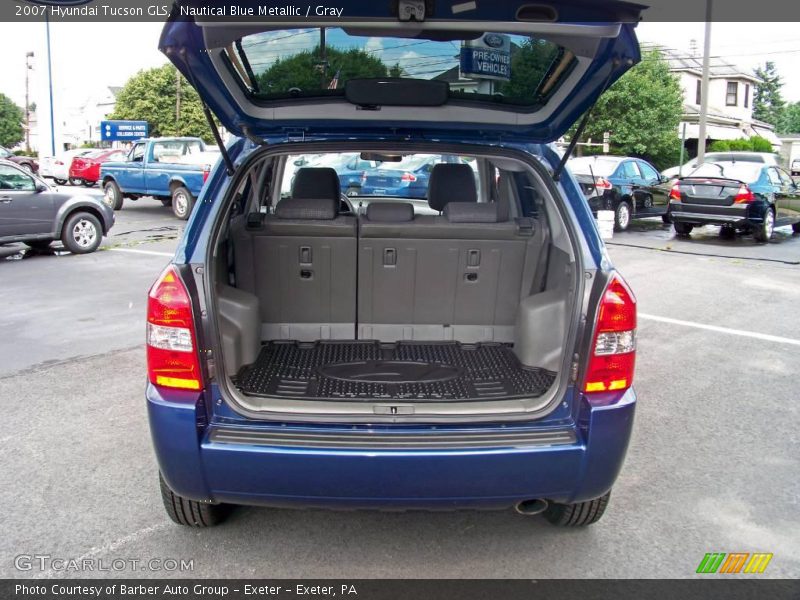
{"x": 28, "y": 67}
{"x": 701, "y": 136}
{"x": 323, "y": 53}
{"x": 178, "y": 101}
{"x": 50, "y": 86}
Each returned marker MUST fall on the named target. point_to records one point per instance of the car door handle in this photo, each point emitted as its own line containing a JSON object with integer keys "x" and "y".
{"x": 5, "y": 199}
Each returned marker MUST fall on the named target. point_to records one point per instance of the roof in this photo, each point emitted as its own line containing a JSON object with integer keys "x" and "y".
{"x": 115, "y": 89}
{"x": 718, "y": 67}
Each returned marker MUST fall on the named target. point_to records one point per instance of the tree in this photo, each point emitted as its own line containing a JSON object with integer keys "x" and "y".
{"x": 305, "y": 71}
{"x": 151, "y": 96}
{"x": 753, "y": 144}
{"x": 530, "y": 62}
{"x": 767, "y": 100}
{"x": 11, "y": 118}
{"x": 790, "y": 118}
{"x": 641, "y": 112}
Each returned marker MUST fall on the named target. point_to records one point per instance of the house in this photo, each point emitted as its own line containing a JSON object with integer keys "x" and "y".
{"x": 730, "y": 99}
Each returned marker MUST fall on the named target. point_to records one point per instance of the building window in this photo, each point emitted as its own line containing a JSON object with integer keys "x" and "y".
{"x": 746, "y": 95}
{"x": 698, "y": 91}
{"x": 733, "y": 92}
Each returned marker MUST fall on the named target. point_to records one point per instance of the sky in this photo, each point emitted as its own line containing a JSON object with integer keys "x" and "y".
{"x": 89, "y": 56}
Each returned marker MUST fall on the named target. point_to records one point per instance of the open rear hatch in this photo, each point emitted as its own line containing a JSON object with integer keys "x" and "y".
{"x": 513, "y": 68}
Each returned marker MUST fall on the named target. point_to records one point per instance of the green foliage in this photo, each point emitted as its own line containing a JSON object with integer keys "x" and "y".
{"x": 11, "y": 118}
{"x": 641, "y": 112}
{"x": 753, "y": 144}
{"x": 151, "y": 96}
{"x": 304, "y": 70}
{"x": 767, "y": 100}
{"x": 529, "y": 64}
{"x": 790, "y": 118}
{"x": 31, "y": 153}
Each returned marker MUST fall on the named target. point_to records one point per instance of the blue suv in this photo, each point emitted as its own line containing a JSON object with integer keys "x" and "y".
{"x": 310, "y": 350}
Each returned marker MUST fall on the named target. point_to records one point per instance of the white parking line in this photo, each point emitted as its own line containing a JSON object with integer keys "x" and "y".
{"x": 740, "y": 332}
{"x": 150, "y": 252}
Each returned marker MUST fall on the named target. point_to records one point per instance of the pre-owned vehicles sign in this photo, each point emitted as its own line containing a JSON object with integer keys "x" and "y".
{"x": 488, "y": 57}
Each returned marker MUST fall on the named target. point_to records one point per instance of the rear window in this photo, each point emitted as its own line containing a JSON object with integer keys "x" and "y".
{"x": 598, "y": 166}
{"x": 748, "y": 172}
{"x": 505, "y": 68}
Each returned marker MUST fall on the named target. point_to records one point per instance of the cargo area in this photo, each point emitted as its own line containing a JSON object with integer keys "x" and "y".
{"x": 454, "y": 300}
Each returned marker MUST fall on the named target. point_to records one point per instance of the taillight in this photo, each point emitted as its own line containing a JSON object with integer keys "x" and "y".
{"x": 744, "y": 195}
{"x": 206, "y": 172}
{"x": 614, "y": 350}
{"x": 171, "y": 341}
{"x": 602, "y": 184}
{"x": 408, "y": 177}
{"x": 675, "y": 193}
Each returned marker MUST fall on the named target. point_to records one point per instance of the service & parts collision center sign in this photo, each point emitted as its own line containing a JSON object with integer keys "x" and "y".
{"x": 488, "y": 57}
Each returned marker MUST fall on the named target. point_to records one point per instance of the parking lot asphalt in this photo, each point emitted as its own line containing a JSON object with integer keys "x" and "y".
{"x": 712, "y": 465}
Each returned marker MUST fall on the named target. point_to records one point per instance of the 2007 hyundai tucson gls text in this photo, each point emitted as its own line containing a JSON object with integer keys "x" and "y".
{"x": 468, "y": 347}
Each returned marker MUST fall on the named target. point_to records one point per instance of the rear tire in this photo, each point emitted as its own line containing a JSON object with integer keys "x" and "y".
{"x": 796, "y": 227}
{"x": 577, "y": 515}
{"x": 88, "y": 183}
{"x": 683, "y": 228}
{"x": 74, "y": 181}
{"x": 190, "y": 512}
{"x": 60, "y": 181}
{"x": 182, "y": 202}
{"x": 82, "y": 233}
{"x": 112, "y": 195}
{"x": 622, "y": 215}
{"x": 763, "y": 232}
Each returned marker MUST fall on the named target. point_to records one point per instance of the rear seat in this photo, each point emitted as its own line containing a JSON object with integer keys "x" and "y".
{"x": 300, "y": 262}
{"x": 453, "y": 276}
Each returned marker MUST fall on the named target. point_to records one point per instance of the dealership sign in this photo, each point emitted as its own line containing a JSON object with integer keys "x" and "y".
{"x": 116, "y": 131}
{"x": 488, "y": 57}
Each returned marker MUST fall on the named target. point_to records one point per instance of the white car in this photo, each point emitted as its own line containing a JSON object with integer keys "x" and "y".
{"x": 57, "y": 167}
{"x": 755, "y": 157}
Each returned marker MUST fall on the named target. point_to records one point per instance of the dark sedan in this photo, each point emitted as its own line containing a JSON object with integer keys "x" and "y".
{"x": 750, "y": 197}
{"x": 26, "y": 162}
{"x": 631, "y": 187}
{"x": 34, "y": 213}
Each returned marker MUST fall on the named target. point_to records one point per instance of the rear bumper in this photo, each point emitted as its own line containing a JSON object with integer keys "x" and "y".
{"x": 738, "y": 215}
{"x": 211, "y": 463}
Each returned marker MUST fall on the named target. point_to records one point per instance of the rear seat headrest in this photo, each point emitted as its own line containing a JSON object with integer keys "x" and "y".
{"x": 451, "y": 182}
{"x": 472, "y": 212}
{"x": 307, "y": 208}
{"x": 390, "y": 212}
{"x": 316, "y": 182}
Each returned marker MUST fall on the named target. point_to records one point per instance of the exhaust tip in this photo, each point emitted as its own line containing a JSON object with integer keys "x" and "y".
{"x": 531, "y": 507}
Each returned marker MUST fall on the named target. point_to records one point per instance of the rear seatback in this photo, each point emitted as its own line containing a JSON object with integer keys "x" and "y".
{"x": 455, "y": 276}
{"x": 300, "y": 262}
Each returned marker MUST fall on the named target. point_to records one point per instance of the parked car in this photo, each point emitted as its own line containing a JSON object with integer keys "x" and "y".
{"x": 85, "y": 169}
{"x": 631, "y": 187}
{"x": 744, "y": 196}
{"x": 301, "y": 353}
{"x": 33, "y": 213}
{"x": 57, "y": 167}
{"x": 172, "y": 170}
{"x": 795, "y": 167}
{"x": 349, "y": 166}
{"x": 766, "y": 158}
{"x": 26, "y": 162}
{"x": 405, "y": 179}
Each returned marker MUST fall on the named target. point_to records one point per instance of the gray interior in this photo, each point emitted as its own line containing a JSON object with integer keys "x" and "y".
{"x": 477, "y": 273}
